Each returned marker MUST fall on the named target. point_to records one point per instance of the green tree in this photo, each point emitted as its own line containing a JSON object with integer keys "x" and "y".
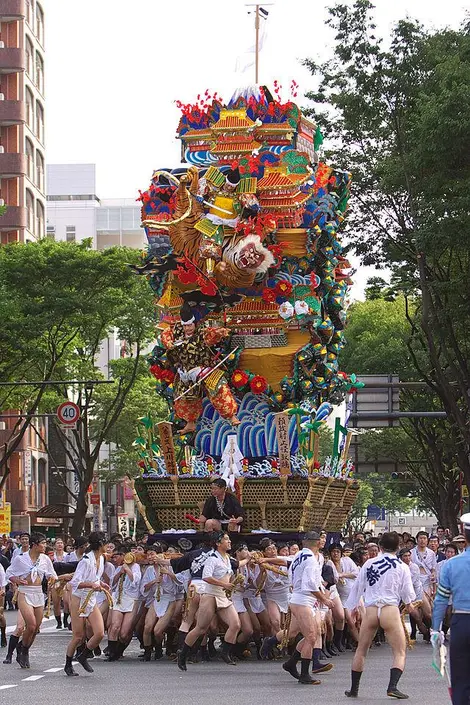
{"x": 398, "y": 115}
{"x": 378, "y": 338}
{"x": 61, "y": 301}
{"x": 381, "y": 491}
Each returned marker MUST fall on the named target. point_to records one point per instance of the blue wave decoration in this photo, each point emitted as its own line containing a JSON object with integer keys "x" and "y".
{"x": 256, "y": 434}
{"x": 200, "y": 158}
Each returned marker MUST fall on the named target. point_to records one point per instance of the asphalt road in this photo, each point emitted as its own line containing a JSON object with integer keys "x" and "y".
{"x": 131, "y": 682}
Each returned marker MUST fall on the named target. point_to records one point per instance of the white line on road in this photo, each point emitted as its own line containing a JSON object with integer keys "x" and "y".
{"x": 33, "y": 678}
{"x": 54, "y": 670}
{"x": 4, "y": 687}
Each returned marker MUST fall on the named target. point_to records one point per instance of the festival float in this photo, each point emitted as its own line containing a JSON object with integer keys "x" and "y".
{"x": 245, "y": 258}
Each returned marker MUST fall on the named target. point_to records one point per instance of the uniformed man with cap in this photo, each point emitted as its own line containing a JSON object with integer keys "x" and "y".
{"x": 455, "y": 581}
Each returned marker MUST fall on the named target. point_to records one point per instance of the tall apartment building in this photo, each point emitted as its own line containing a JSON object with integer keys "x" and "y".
{"x": 22, "y": 120}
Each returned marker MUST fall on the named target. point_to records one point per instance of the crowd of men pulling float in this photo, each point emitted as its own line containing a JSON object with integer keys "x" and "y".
{"x": 298, "y": 600}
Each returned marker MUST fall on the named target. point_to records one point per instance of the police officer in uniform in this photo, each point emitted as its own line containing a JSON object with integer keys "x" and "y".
{"x": 455, "y": 581}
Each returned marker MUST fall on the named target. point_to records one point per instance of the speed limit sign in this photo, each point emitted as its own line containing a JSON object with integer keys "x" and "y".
{"x": 68, "y": 413}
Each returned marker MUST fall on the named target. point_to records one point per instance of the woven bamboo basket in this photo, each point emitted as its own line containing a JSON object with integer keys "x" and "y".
{"x": 278, "y": 504}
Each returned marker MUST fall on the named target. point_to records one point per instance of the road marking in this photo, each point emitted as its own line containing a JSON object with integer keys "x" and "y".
{"x": 54, "y": 670}
{"x": 32, "y": 678}
{"x": 4, "y": 687}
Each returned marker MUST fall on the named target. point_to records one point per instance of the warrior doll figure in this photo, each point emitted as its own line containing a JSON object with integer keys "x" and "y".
{"x": 189, "y": 350}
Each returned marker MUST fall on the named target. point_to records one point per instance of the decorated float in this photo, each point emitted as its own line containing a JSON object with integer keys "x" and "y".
{"x": 246, "y": 260}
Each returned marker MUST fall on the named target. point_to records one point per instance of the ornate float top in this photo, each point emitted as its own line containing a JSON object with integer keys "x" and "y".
{"x": 247, "y": 262}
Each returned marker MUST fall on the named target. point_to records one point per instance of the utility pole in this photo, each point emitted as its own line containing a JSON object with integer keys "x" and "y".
{"x": 259, "y": 12}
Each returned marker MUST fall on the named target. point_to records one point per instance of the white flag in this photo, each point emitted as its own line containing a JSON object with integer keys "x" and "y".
{"x": 247, "y": 59}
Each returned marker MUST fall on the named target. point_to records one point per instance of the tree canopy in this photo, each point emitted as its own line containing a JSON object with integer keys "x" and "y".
{"x": 61, "y": 301}
{"x": 397, "y": 114}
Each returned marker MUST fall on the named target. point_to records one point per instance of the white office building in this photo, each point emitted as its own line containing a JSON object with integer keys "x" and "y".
{"x": 75, "y": 213}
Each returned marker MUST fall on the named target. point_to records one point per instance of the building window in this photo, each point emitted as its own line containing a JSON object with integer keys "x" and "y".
{"x": 39, "y": 121}
{"x": 29, "y": 57}
{"x": 39, "y": 73}
{"x": 29, "y": 13}
{"x": 29, "y": 109}
{"x": 30, "y": 210}
{"x": 29, "y": 149}
{"x": 40, "y": 219}
{"x": 39, "y": 170}
{"x": 39, "y": 24}
{"x": 50, "y": 232}
{"x": 70, "y": 234}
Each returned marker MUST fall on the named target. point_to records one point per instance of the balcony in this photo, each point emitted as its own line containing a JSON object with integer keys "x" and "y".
{"x": 12, "y": 60}
{"x": 16, "y": 217}
{"x": 12, "y": 112}
{"x": 12, "y": 10}
{"x": 12, "y": 164}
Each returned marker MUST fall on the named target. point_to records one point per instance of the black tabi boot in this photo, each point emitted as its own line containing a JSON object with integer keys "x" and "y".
{"x": 59, "y": 622}
{"x": 392, "y": 690}
{"x": 68, "y": 668}
{"x": 170, "y": 641}
{"x": 338, "y": 640}
{"x": 181, "y": 637}
{"x": 120, "y": 648}
{"x": 12, "y": 644}
{"x": 97, "y": 651}
{"x": 158, "y": 652}
{"x": 183, "y": 656}
{"x": 23, "y": 656}
{"x": 291, "y": 665}
{"x": 355, "y": 678}
{"x": 112, "y": 651}
{"x": 317, "y": 665}
{"x": 194, "y": 654}
{"x": 324, "y": 652}
{"x": 147, "y": 653}
{"x": 331, "y": 648}
{"x": 226, "y": 653}
{"x": 205, "y": 658}
{"x": 413, "y": 629}
{"x": 83, "y": 657}
{"x": 19, "y": 651}
{"x": 269, "y": 643}
{"x": 66, "y": 620}
{"x": 305, "y": 678}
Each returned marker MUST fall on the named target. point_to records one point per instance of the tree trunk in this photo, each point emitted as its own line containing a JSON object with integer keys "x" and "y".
{"x": 81, "y": 509}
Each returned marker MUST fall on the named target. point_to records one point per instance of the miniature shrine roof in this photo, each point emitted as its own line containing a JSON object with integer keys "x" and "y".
{"x": 233, "y": 120}
{"x": 281, "y": 202}
{"x": 278, "y": 178}
{"x": 240, "y": 146}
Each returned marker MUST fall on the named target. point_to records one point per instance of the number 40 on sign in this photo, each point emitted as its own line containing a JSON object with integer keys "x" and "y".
{"x": 68, "y": 414}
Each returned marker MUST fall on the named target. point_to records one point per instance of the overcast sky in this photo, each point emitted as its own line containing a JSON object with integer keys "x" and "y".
{"x": 114, "y": 69}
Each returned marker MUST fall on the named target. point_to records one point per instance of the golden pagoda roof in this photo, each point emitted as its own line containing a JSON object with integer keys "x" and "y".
{"x": 239, "y": 146}
{"x": 201, "y": 135}
{"x": 232, "y": 120}
{"x": 275, "y": 127}
{"x": 282, "y": 202}
{"x": 278, "y": 178}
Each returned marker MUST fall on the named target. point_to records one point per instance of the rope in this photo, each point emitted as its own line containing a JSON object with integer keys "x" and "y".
{"x": 88, "y": 597}
{"x": 285, "y": 635}
{"x": 403, "y": 612}
{"x": 189, "y": 596}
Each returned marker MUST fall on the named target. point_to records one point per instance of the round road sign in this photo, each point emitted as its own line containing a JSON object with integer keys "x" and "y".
{"x": 68, "y": 413}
